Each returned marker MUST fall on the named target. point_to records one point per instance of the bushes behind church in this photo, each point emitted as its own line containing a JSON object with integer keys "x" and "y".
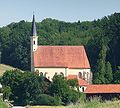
{"x": 26, "y": 88}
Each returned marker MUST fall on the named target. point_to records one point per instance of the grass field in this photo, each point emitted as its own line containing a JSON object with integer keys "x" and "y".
{"x": 46, "y": 107}
{"x": 92, "y": 104}
{"x": 4, "y": 67}
{"x": 97, "y": 104}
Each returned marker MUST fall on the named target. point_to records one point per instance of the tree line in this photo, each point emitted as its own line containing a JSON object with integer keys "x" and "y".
{"x": 100, "y": 37}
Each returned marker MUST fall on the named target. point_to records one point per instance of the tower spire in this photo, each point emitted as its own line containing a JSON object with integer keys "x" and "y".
{"x": 34, "y": 32}
{"x": 34, "y": 42}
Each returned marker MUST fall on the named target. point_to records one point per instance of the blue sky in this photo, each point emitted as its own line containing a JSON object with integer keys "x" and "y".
{"x": 65, "y": 10}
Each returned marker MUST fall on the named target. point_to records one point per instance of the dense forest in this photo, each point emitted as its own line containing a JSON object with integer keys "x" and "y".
{"x": 101, "y": 39}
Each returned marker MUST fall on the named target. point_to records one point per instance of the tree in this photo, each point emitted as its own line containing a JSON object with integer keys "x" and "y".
{"x": 60, "y": 88}
{"x": 6, "y": 92}
{"x": 25, "y": 86}
{"x": 117, "y": 76}
{"x": 99, "y": 75}
{"x": 73, "y": 83}
{"x": 44, "y": 99}
{"x": 108, "y": 73}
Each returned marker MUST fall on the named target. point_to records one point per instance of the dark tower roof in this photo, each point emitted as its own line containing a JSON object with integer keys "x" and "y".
{"x": 34, "y": 32}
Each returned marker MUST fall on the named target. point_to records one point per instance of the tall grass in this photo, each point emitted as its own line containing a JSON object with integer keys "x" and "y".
{"x": 46, "y": 107}
{"x": 93, "y": 103}
{"x": 96, "y": 103}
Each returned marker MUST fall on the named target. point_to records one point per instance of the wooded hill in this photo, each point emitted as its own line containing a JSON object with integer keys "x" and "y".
{"x": 101, "y": 39}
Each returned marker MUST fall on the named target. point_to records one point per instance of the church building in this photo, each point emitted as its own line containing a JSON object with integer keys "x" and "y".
{"x": 70, "y": 61}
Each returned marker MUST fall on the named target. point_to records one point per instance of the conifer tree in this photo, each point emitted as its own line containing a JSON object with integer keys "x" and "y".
{"x": 100, "y": 66}
{"x": 108, "y": 73}
{"x": 117, "y": 76}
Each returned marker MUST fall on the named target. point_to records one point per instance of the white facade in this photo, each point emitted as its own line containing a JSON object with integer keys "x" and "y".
{"x": 34, "y": 46}
{"x": 82, "y": 88}
{"x": 50, "y": 72}
{"x": 85, "y": 73}
{"x": 34, "y": 43}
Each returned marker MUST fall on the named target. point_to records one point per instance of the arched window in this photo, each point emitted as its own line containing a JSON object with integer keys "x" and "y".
{"x": 45, "y": 74}
{"x": 61, "y": 73}
{"x": 83, "y": 89}
{"x": 91, "y": 77}
{"x": 84, "y": 74}
{"x": 80, "y": 75}
{"x": 34, "y": 42}
{"x": 87, "y": 75}
{"x": 37, "y": 71}
{"x": 41, "y": 73}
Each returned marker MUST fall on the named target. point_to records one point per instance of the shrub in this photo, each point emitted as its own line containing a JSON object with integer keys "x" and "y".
{"x": 72, "y": 82}
{"x": 44, "y": 99}
{"x": 72, "y": 96}
{"x": 60, "y": 87}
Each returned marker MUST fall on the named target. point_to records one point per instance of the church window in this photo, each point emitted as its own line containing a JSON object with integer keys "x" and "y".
{"x": 87, "y": 75}
{"x": 61, "y": 73}
{"x": 84, "y": 73}
{"x": 91, "y": 75}
{"x": 41, "y": 73}
{"x": 80, "y": 75}
{"x": 83, "y": 89}
{"x": 45, "y": 74}
{"x": 34, "y": 42}
{"x": 37, "y": 71}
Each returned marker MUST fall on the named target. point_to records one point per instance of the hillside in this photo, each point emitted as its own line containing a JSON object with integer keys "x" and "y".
{"x": 4, "y": 67}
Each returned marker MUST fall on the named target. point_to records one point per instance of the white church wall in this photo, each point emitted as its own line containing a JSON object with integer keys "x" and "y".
{"x": 34, "y": 43}
{"x": 76, "y": 72}
{"x": 50, "y": 72}
{"x": 82, "y": 88}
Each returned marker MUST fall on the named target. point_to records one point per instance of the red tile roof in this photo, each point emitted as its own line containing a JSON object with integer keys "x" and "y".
{"x": 61, "y": 56}
{"x": 72, "y": 77}
{"x": 103, "y": 88}
{"x": 81, "y": 82}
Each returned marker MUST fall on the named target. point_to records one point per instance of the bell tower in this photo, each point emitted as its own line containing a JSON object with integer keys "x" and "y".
{"x": 33, "y": 42}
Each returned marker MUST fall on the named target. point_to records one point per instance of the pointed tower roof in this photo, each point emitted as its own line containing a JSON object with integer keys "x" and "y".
{"x": 34, "y": 32}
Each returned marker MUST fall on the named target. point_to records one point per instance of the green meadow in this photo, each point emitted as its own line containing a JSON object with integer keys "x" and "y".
{"x": 95, "y": 103}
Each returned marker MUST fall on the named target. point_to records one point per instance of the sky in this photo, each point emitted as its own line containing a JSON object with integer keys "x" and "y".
{"x": 64, "y": 10}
